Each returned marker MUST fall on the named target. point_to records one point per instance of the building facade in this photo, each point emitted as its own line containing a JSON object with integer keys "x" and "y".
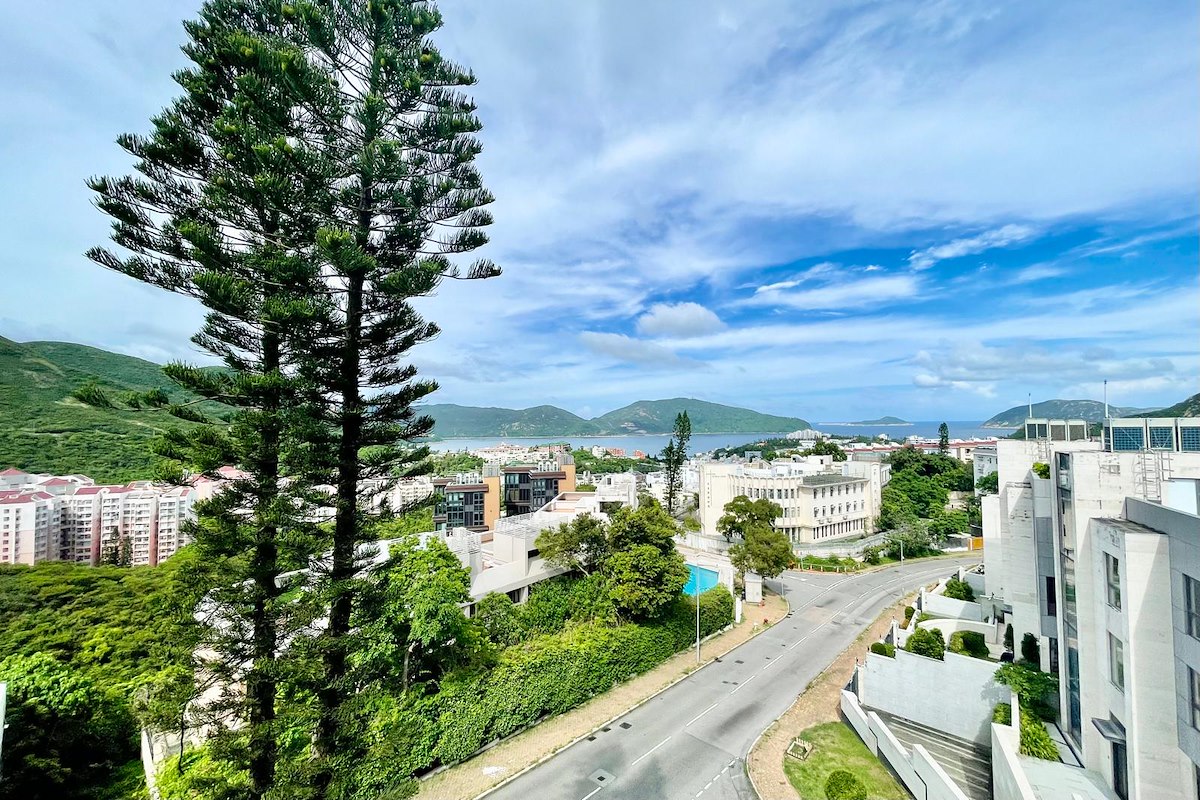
{"x": 820, "y": 502}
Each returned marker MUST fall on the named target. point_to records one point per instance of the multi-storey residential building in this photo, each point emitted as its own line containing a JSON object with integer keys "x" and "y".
{"x": 476, "y": 501}
{"x": 1099, "y": 562}
{"x": 819, "y": 502}
{"x": 67, "y": 518}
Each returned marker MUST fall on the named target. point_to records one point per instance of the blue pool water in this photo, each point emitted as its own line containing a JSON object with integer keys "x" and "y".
{"x": 699, "y": 580}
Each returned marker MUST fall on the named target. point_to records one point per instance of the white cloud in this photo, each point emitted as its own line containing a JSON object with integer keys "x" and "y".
{"x": 678, "y": 319}
{"x": 635, "y": 351}
{"x": 1000, "y": 237}
{"x": 841, "y": 295}
{"x": 1038, "y": 272}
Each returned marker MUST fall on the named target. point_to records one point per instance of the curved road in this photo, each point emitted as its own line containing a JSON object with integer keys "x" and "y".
{"x": 690, "y": 741}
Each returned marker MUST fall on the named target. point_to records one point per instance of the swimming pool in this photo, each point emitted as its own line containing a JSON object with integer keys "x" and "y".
{"x": 699, "y": 580}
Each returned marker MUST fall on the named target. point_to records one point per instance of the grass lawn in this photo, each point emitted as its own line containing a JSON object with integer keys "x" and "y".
{"x": 835, "y": 746}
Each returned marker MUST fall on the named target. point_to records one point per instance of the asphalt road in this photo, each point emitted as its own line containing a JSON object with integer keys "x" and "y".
{"x": 691, "y": 741}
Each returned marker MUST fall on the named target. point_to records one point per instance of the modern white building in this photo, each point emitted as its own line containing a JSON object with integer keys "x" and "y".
{"x": 1101, "y": 562}
{"x": 821, "y": 501}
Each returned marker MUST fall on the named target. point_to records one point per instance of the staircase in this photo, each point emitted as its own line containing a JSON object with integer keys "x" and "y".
{"x": 968, "y": 764}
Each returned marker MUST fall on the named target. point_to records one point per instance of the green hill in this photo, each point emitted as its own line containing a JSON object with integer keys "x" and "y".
{"x": 44, "y": 429}
{"x": 658, "y": 416}
{"x": 1185, "y": 408}
{"x": 1089, "y": 410}
{"x": 473, "y": 421}
{"x": 880, "y": 421}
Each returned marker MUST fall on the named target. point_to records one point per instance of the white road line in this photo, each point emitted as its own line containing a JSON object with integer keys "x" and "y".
{"x": 701, "y": 714}
{"x": 743, "y": 683}
{"x": 592, "y": 792}
{"x": 648, "y": 752}
{"x": 725, "y": 770}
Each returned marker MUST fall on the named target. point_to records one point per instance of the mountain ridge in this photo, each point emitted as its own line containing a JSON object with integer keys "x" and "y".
{"x": 1089, "y": 410}
{"x": 648, "y": 417}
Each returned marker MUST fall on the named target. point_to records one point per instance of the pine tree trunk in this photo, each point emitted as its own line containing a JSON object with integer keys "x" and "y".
{"x": 260, "y": 682}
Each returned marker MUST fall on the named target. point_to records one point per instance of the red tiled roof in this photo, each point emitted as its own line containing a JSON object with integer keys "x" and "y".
{"x": 14, "y": 471}
{"x": 89, "y": 489}
{"x": 55, "y": 482}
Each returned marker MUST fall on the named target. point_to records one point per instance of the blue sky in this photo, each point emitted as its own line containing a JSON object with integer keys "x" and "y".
{"x": 829, "y": 210}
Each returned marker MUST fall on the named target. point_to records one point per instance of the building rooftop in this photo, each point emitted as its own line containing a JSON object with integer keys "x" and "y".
{"x": 825, "y": 480}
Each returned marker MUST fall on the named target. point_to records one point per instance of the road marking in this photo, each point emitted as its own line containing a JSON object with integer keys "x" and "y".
{"x": 701, "y": 714}
{"x": 743, "y": 683}
{"x": 651, "y": 750}
{"x": 592, "y": 792}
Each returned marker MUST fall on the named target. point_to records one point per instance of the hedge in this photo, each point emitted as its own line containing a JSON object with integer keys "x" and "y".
{"x": 1002, "y": 714}
{"x": 969, "y": 643}
{"x": 884, "y": 649}
{"x": 926, "y": 642}
{"x": 553, "y": 674}
{"x": 1035, "y": 741}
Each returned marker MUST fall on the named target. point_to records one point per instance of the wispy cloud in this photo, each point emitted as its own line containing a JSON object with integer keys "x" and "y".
{"x": 1000, "y": 237}
{"x": 862, "y": 293}
{"x": 634, "y": 351}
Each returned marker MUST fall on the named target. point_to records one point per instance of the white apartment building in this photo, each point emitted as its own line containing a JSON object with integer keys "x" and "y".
{"x": 820, "y": 501}
{"x": 67, "y": 518}
{"x": 1101, "y": 561}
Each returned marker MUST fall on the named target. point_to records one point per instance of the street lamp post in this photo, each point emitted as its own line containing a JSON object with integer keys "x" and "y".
{"x": 697, "y": 620}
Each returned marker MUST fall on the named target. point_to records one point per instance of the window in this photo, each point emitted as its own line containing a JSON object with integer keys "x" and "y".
{"x": 1120, "y": 762}
{"x": 1191, "y": 604}
{"x": 1112, "y": 572}
{"x": 1116, "y": 662}
{"x": 1051, "y": 598}
{"x": 1194, "y": 680}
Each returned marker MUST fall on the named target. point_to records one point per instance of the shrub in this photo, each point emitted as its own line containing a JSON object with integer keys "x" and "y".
{"x": 908, "y": 614}
{"x": 1031, "y": 650}
{"x": 872, "y": 555}
{"x": 927, "y": 642}
{"x": 842, "y": 785}
{"x": 884, "y": 649}
{"x": 1008, "y": 637}
{"x": 1041, "y": 470}
{"x": 957, "y": 589}
{"x": 970, "y": 643}
{"x": 1002, "y": 714}
{"x": 1035, "y": 741}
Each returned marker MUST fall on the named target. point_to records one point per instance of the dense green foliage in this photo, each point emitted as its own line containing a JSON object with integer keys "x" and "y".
{"x": 842, "y": 785}
{"x": 926, "y": 642}
{"x": 66, "y": 734}
{"x": 884, "y": 649}
{"x": 741, "y": 514}
{"x": 455, "y": 421}
{"x": 1035, "y": 688}
{"x": 957, "y": 589}
{"x": 673, "y": 457}
{"x": 449, "y": 464}
{"x": 43, "y": 428}
{"x": 634, "y": 551}
{"x": 105, "y": 634}
{"x": 605, "y": 465}
{"x": 769, "y": 447}
{"x": 1002, "y": 714}
{"x": 989, "y": 484}
{"x": 1035, "y": 740}
{"x": 910, "y": 540}
{"x": 969, "y": 643}
{"x": 1042, "y": 470}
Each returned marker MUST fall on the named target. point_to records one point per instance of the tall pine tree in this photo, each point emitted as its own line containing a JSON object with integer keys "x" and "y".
{"x": 224, "y": 207}
{"x": 408, "y": 202}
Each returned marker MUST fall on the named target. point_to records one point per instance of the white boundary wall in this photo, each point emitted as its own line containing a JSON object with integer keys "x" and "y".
{"x": 917, "y": 770}
{"x": 956, "y": 695}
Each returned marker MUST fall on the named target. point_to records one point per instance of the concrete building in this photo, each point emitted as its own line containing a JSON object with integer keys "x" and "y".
{"x": 962, "y": 449}
{"x": 1099, "y": 561}
{"x": 820, "y": 502}
{"x": 984, "y": 461}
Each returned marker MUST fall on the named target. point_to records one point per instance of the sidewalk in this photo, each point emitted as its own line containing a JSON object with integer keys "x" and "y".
{"x": 485, "y": 771}
{"x": 820, "y": 702}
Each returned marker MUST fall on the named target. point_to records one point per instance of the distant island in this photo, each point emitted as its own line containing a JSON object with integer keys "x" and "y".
{"x": 877, "y": 422}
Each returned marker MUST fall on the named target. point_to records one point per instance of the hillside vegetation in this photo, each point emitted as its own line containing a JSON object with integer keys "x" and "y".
{"x": 644, "y": 416}
{"x": 44, "y": 429}
{"x": 1089, "y": 410}
{"x": 1184, "y": 408}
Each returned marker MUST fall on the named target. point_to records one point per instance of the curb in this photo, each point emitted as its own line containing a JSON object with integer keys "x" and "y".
{"x": 611, "y": 720}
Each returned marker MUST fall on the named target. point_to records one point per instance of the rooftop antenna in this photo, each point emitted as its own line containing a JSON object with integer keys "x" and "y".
{"x": 1106, "y": 399}
{"x": 1029, "y": 397}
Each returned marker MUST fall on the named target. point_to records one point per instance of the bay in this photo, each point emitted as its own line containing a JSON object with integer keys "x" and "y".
{"x": 704, "y": 442}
